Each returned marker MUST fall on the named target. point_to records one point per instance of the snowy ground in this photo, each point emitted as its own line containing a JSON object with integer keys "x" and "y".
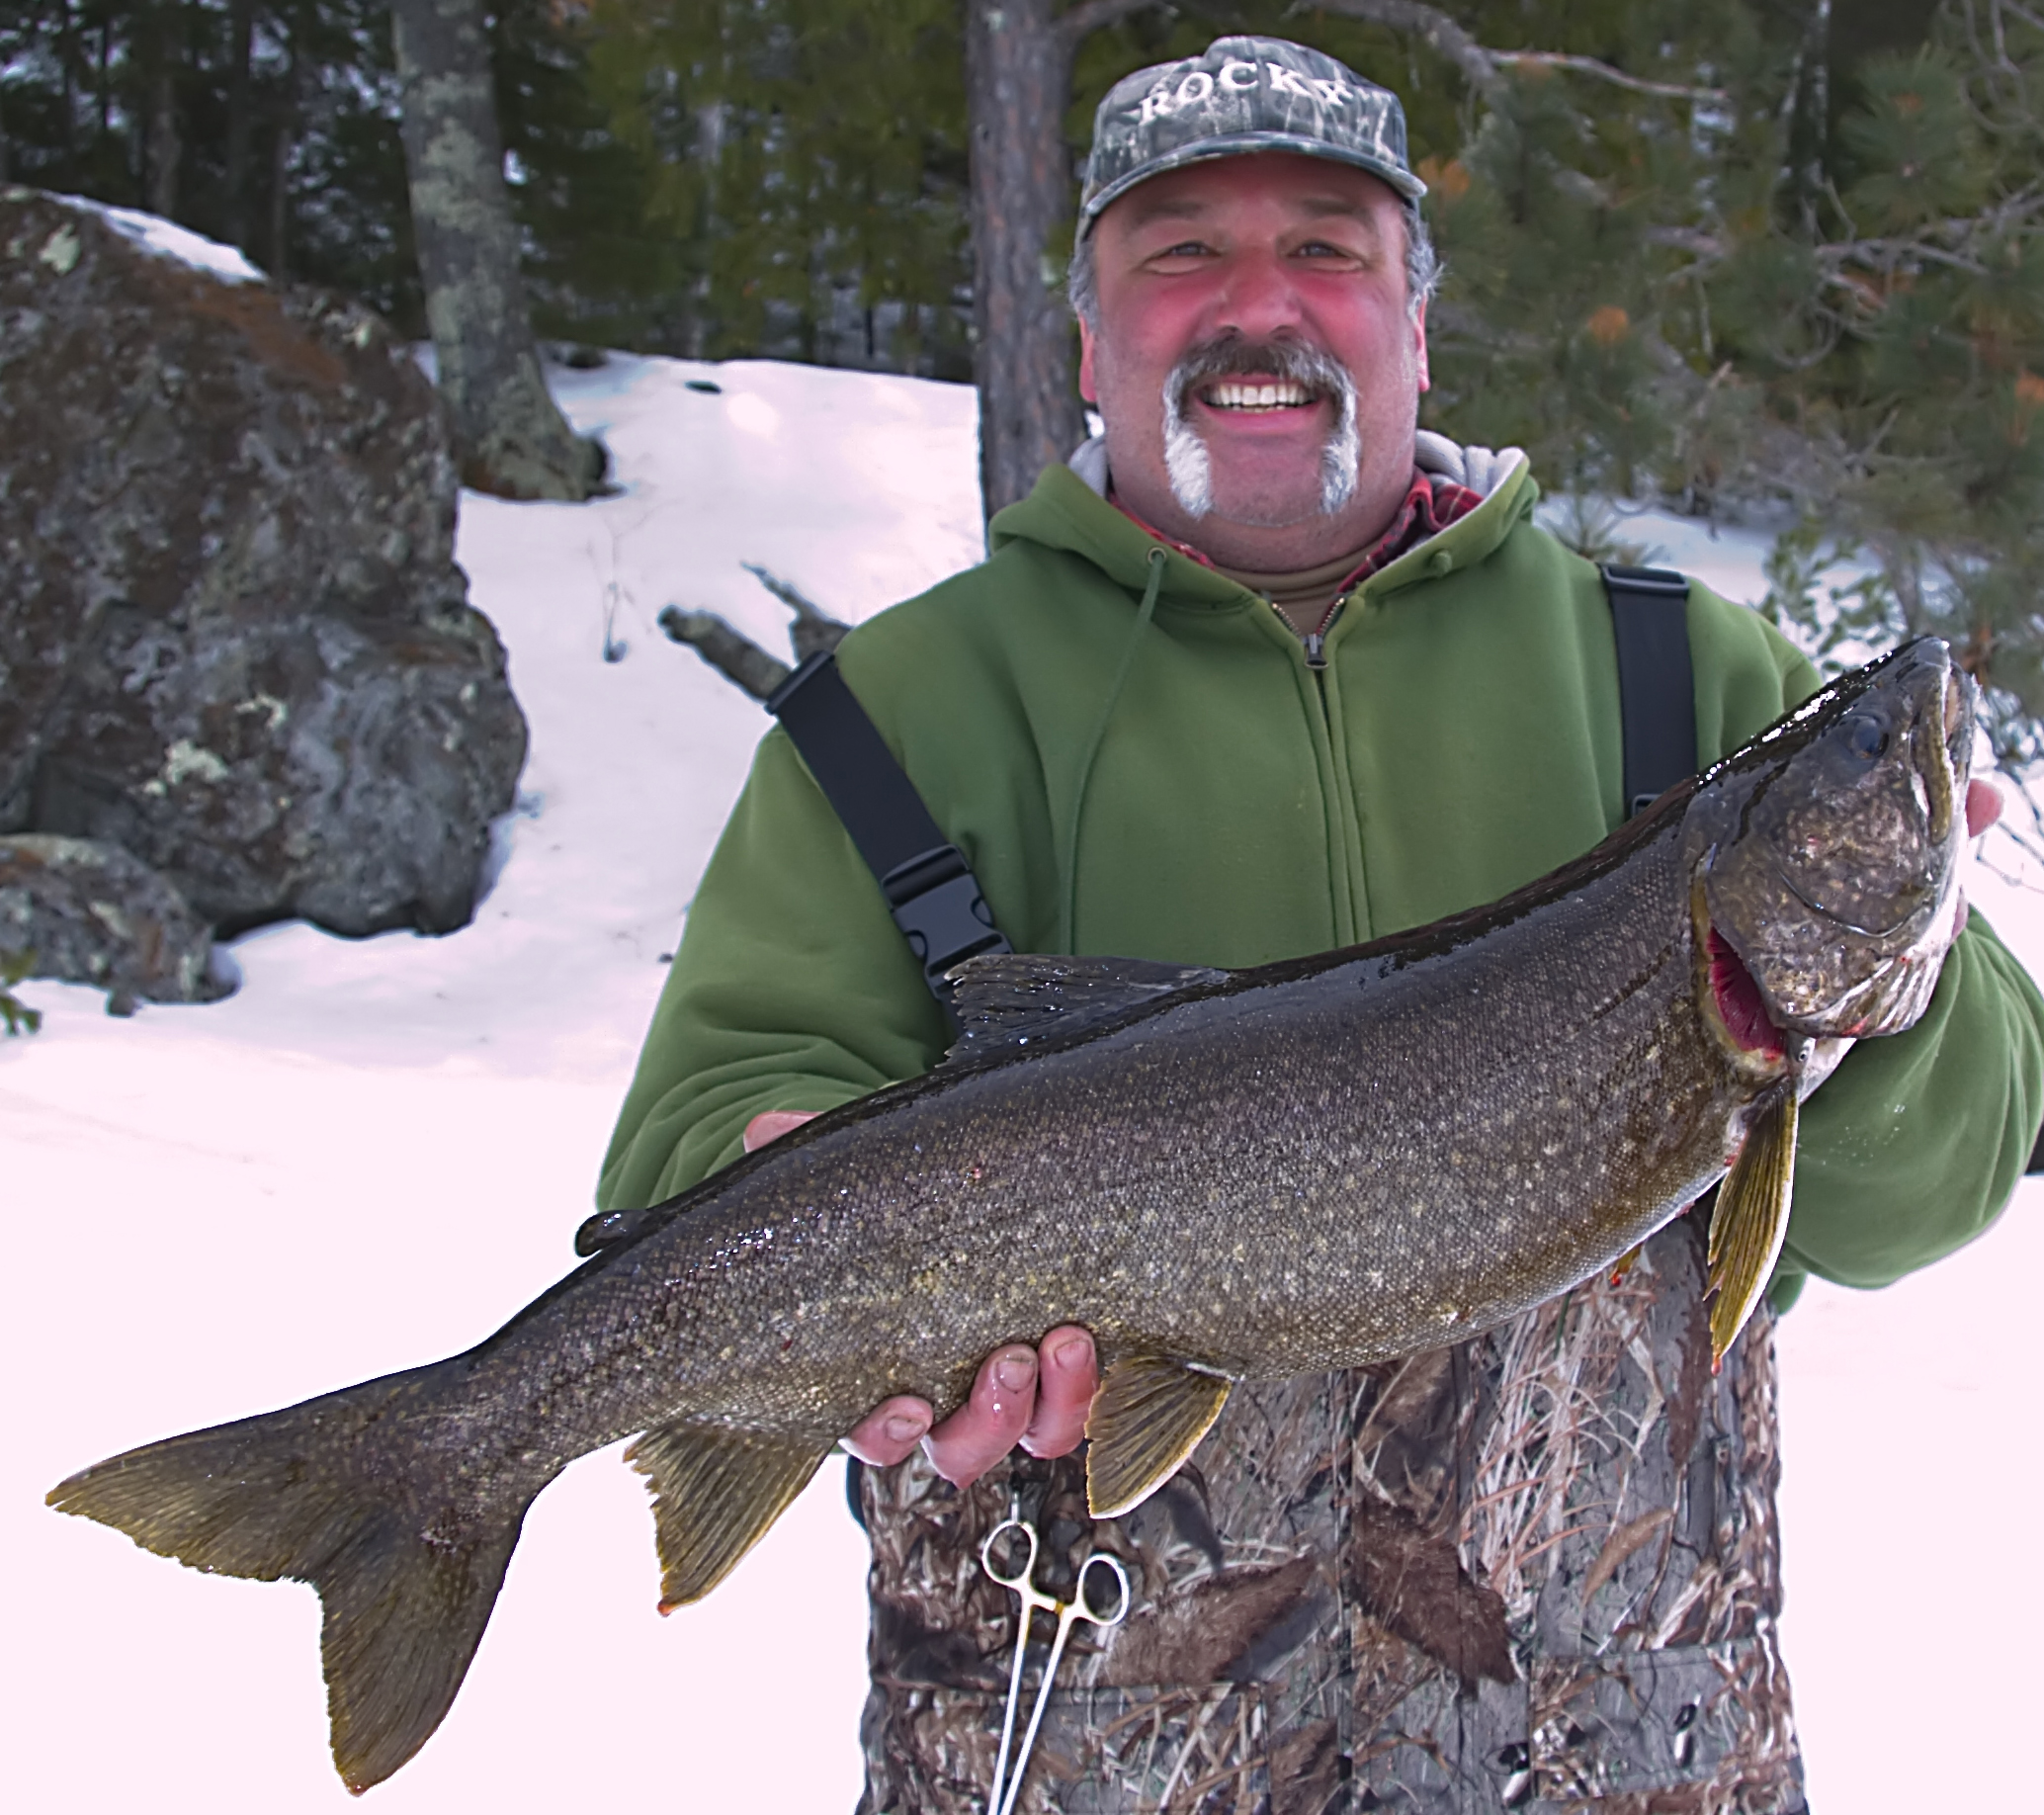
{"x": 375, "y": 1151}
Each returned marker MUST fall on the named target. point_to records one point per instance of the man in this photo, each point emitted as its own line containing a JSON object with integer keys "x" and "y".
{"x": 1265, "y": 670}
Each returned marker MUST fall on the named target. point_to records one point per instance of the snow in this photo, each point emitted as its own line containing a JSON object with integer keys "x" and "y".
{"x": 167, "y": 239}
{"x": 377, "y": 1149}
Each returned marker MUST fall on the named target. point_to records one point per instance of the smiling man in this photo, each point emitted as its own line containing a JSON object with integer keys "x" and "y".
{"x": 1263, "y": 670}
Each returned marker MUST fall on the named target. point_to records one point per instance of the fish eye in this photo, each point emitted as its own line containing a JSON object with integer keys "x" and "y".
{"x": 1866, "y": 736}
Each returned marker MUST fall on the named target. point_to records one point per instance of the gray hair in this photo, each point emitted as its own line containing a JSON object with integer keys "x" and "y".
{"x": 1422, "y": 272}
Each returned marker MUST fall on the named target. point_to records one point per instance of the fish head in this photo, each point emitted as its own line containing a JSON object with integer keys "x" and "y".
{"x": 1827, "y": 854}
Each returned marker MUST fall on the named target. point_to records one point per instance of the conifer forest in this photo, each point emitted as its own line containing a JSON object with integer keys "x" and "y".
{"x": 1780, "y": 262}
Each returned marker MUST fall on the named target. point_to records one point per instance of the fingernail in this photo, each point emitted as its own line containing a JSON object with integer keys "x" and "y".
{"x": 906, "y": 1427}
{"x": 1073, "y": 1353}
{"x": 1015, "y": 1371}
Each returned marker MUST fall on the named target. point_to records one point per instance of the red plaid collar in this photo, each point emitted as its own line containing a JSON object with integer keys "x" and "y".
{"x": 1430, "y": 506}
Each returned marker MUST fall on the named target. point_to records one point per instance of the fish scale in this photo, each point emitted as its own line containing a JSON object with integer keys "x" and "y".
{"x": 1314, "y": 1164}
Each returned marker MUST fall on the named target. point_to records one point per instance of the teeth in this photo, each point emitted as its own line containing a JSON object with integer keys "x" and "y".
{"x": 1284, "y": 394}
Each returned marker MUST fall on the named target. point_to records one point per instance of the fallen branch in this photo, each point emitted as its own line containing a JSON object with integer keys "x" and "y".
{"x": 728, "y": 650}
{"x": 814, "y": 629}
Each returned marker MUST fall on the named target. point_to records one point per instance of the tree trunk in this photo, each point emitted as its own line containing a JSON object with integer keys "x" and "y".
{"x": 280, "y": 168}
{"x": 509, "y": 438}
{"x": 161, "y": 149}
{"x": 241, "y": 34}
{"x": 1018, "y": 79}
{"x": 164, "y": 148}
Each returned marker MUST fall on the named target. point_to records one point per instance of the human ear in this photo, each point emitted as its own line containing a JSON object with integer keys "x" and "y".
{"x": 1419, "y": 345}
{"x": 1088, "y": 385}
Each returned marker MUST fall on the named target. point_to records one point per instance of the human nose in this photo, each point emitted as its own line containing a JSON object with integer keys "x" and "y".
{"x": 1258, "y": 297}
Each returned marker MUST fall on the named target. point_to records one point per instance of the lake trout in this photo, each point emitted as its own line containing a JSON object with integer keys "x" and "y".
{"x": 1318, "y": 1164}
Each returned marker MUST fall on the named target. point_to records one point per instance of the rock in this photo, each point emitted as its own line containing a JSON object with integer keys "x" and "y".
{"x": 235, "y": 642}
{"x": 89, "y": 912}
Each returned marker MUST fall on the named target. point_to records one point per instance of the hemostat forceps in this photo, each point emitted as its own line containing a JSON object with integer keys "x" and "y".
{"x": 1030, "y": 1598}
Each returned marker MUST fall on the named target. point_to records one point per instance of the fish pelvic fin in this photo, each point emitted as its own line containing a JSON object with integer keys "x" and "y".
{"x": 308, "y": 1495}
{"x": 715, "y": 1490}
{"x": 1148, "y": 1416}
{"x": 1751, "y": 1221}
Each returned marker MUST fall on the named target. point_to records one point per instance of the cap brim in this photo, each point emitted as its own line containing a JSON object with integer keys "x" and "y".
{"x": 1238, "y": 144}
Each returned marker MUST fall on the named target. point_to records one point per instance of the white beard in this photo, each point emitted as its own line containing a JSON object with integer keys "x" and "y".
{"x": 1190, "y": 471}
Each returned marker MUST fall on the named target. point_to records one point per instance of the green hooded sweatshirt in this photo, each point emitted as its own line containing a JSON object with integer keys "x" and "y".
{"x": 1136, "y": 758}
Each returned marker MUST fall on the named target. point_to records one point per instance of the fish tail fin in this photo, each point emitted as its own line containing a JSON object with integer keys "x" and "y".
{"x": 305, "y": 1494}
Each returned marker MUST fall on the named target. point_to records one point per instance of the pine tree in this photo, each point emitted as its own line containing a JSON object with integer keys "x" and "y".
{"x": 808, "y": 159}
{"x": 1777, "y": 293}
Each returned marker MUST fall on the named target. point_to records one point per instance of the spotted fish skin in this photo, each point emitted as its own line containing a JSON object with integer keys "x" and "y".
{"x": 1314, "y": 1165}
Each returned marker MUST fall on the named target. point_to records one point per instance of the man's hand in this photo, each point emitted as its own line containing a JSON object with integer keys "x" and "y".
{"x": 1035, "y": 1397}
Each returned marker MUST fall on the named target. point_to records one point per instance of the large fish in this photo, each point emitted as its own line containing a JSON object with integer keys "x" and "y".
{"x": 1226, "y": 1175}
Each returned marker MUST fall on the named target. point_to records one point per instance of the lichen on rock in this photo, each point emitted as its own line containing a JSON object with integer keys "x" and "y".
{"x": 236, "y": 644}
{"x": 88, "y": 912}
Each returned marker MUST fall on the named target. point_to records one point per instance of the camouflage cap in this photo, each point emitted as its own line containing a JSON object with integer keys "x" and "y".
{"x": 1243, "y": 95}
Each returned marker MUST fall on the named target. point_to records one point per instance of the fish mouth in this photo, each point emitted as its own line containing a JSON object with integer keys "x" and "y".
{"x": 1918, "y": 909}
{"x": 1741, "y": 1008}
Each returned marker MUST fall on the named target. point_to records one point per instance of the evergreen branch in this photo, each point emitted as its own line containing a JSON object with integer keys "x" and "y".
{"x": 16, "y": 1013}
{"x": 1432, "y": 27}
{"x": 1605, "y": 72}
{"x": 730, "y": 652}
{"x": 1091, "y": 16}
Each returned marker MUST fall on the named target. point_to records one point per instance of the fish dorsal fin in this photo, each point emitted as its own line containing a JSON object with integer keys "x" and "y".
{"x": 1148, "y": 1416}
{"x": 715, "y": 1490}
{"x": 1008, "y": 1001}
{"x": 1751, "y": 1218}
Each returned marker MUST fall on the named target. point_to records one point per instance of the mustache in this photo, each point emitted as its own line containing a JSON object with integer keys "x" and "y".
{"x": 1238, "y": 356}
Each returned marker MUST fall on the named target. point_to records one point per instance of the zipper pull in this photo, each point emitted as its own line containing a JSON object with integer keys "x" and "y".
{"x": 1315, "y": 651}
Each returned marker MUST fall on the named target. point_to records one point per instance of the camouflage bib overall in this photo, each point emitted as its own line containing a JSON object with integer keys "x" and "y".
{"x": 1536, "y": 1572}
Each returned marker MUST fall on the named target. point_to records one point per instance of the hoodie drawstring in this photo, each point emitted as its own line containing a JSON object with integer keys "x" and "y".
{"x": 1069, "y": 916}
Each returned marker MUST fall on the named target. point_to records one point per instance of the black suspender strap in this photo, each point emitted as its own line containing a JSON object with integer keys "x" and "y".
{"x": 931, "y": 892}
{"x": 1656, "y": 688}
{"x": 936, "y": 899}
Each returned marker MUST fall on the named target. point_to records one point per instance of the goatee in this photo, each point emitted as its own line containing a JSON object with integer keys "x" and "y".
{"x": 1186, "y": 461}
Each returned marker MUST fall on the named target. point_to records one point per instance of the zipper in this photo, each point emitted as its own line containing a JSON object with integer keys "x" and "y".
{"x": 1316, "y": 640}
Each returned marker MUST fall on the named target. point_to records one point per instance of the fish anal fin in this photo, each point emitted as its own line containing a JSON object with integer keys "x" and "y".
{"x": 1751, "y": 1218}
{"x": 715, "y": 1490}
{"x": 1148, "y": 1416}
{"x": 1008, "y": 1001}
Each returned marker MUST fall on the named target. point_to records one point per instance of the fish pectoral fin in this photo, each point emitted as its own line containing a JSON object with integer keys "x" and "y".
{"x": 1751, "y": 1218}
{"x": 1148, "y": 1416}
{"x": 715, "y": 1490}
{"x": 1011, "y": 998}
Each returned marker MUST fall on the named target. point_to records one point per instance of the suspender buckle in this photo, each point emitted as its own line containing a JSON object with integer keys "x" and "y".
{"x": 936, "y": 903}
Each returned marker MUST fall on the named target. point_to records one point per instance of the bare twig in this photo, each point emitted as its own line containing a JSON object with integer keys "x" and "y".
{"x": 728, "y": 650}
{"x": 1434, "y": 27}
{"x": 1605, "y": 72}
